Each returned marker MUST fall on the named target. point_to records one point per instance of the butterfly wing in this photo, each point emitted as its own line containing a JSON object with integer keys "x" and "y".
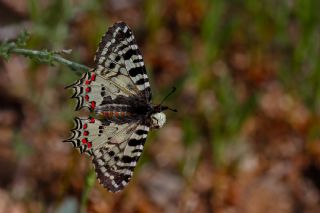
{"x": 118, "y": 55}
{"x": 119, "y": 71}
{"x": 115, "y": 148}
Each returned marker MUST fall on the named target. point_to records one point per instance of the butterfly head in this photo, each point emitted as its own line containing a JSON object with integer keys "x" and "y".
{"x": 158, "y": 120}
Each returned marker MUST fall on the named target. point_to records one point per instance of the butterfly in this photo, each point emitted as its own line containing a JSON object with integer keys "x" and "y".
{"x": 117, "y": 92}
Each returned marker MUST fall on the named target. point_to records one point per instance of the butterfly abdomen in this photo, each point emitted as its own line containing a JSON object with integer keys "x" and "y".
{"x": 115, "y": 114}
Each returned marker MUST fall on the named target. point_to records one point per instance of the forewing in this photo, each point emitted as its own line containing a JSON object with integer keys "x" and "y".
{"x": 118, "y": 59}
{"x": 115, "y": 148}
{"x": 119, "y": 71}
{"x": 114, "y": 164}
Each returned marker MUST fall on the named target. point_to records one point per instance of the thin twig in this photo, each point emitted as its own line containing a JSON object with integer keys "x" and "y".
{"x": 49, "y": 57}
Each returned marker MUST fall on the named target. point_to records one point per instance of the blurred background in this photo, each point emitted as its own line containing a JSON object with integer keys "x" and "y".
{"x": 247, "y": 134}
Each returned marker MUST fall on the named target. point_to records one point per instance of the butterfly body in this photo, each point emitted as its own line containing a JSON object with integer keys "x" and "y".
{"x": 117, "y": 91}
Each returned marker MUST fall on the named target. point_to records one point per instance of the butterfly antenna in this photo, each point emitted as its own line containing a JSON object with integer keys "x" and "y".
{"x": 174, "y": 110}
{"x": 165, "y": 108}
{"x": 170, "y": 93}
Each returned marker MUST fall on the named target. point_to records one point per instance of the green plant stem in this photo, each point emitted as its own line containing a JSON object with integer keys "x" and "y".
{"x": 44, "y": 56}
{"x": 90, "y": 181}
{"x": 50, "y": 57}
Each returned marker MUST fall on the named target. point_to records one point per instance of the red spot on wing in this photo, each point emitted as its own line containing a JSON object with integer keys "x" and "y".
{"x": 86, "y": 97}
{"x": 84, "y": 140}
{"x": 85, "y": 133}
{"x": 89, "y": 144}
{"x": 93, "y": 104}
{"x": 88, "y": 89}
{"x": 87, "y": 82}
{"x": 93, "y": 77}
{"x": 91, "y": 120}
{"x": 85, "y": 126}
